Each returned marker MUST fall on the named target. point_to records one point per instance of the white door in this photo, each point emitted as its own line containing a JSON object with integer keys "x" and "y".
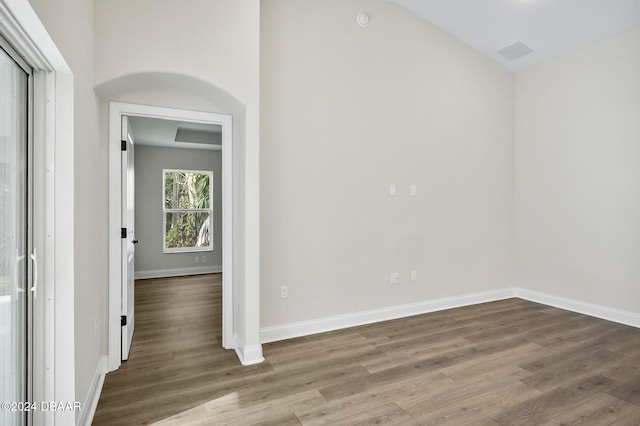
{"x": 128, "y": 238}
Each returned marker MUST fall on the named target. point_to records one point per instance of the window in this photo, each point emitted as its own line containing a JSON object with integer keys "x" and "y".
{"x": 187, "y": 210}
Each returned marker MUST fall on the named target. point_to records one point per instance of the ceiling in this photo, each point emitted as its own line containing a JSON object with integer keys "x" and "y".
{"x": 176, "y": 134}
{"x": 549, "y": 27}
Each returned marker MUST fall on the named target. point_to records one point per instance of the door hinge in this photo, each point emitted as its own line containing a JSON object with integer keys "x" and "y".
{"x": 123, "y": 320}
{"x": 123, "y": 145}
{"x": 123, "y": 232}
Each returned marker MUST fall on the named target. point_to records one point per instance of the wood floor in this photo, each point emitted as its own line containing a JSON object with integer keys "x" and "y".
{"x": 510, "y": 362}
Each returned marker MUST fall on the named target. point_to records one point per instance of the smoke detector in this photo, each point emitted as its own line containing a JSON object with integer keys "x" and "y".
{"x": 363, "y": 19}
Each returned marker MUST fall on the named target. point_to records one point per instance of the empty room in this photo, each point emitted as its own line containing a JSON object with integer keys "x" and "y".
{"x": 422, "y": 212}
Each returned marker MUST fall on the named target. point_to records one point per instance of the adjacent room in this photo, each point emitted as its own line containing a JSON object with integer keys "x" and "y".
{"x": 178, "y": 167}
{"x": 431, "y": 212}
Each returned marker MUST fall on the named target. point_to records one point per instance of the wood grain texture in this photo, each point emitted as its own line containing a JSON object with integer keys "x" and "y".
{"x": 510, "y": 362}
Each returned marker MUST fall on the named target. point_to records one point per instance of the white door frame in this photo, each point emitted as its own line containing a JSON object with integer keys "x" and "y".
{"x": 116, "y": 111}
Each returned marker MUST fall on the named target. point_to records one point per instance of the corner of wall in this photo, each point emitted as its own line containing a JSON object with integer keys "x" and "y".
{"x": 248, "y": 355}
{"x": 90, "y": 404}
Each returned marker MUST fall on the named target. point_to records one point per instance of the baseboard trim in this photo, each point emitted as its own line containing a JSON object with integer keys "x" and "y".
{"x": 248, "y": 355}
{"x": 162, "y": 273}
{"x": 598, "y": 311}
{"x": 91, "y": 401}
{"x": 305, "y": 328}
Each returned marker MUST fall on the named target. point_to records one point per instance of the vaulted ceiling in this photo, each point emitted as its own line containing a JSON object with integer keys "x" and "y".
{"x": 550, "y": 28}
{"x": 515, "y": 33}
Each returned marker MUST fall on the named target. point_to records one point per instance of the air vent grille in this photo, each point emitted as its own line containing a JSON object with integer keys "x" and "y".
{"x": 515, "y": 50}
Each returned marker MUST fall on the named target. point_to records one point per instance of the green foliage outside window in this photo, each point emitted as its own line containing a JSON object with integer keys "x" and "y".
{"x": 187, "y": 207}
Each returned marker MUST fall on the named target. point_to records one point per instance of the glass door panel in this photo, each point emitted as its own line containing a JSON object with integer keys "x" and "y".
{"x": 13, "y": 239}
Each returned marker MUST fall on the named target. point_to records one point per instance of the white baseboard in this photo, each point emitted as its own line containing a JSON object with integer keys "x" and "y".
{"x": 91, "y": 401}
{"x": 603, "y": 312}
{"x": 162, "y": 273}
{"x": 248, "y": 355}
{"x": 305, "y": 328}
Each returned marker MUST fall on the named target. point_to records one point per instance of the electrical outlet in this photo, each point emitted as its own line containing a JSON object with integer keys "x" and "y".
{"x": 395, "y": 278}
{"x": 414, "y": 275}
{"x": 197, "y": 259}
{"x": 284, "y": 292}
{"x": 392, "y": 189}
{"x": 412, "y": 190}
{"x": 204, "y": 259}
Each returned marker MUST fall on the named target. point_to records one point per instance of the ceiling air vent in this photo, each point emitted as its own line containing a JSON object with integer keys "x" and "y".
{"x": 515, "y": 50}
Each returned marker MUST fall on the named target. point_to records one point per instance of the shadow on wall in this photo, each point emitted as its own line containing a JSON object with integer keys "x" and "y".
{"x": 181, "y": 82}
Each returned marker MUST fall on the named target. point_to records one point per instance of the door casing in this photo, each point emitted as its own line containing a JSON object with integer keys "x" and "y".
{"x": 116, "y": 111}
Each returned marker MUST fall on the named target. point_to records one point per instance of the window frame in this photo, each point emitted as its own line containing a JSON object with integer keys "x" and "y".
{"x": 53, "y": 206}
{"x": 166, "y": 211}
{"x": 25, "y": 171}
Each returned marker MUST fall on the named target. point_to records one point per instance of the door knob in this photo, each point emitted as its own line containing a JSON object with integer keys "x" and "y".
{"x": 135, "y": 241}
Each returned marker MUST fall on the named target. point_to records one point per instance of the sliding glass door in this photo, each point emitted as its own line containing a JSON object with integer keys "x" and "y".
{"x": 14, "y": 239}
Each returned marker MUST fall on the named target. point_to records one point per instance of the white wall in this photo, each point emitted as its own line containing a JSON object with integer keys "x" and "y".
{"x": 211, "y": 46}
{"x": 98, "y": 37}
{"x": 150, "y": 161}
{"x": 346, "y": 111}
{"x": 90, "y": 276}
{"x": 578, "y": 175}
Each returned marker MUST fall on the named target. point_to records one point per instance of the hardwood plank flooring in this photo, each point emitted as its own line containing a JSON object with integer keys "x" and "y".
{"x": 510, "y": 362}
